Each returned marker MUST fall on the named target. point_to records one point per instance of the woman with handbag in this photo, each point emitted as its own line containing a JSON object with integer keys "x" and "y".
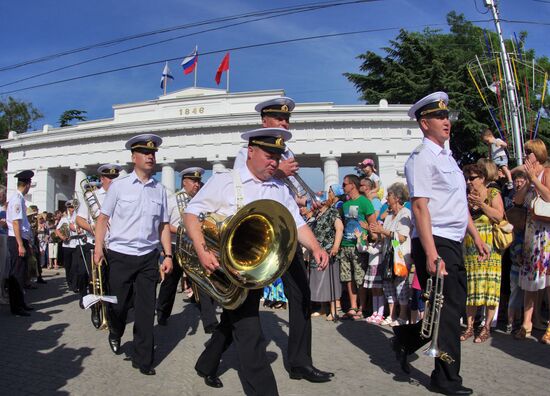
{"x": 396, "y": 228}
{"x": 483, "y": 277}
{"x": 534, "y": 274}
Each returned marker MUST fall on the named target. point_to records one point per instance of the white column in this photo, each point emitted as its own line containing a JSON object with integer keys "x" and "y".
{"x": 168, "y": 178}
{"x": 217, "y": 166}
{"x": 43, "y": 191}
{"x": 79, "y": 175}
{"x": 388, "y": 168}
{"x": 11, "y": 183}
{"x": 330, "y": 171}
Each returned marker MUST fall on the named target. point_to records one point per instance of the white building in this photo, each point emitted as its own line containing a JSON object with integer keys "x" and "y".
{"x": 202, "y": 127}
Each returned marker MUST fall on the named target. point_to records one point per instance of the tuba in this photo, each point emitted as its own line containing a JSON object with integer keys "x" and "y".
{"x": 255, "y": 246}
{"x": 432, "y": 315}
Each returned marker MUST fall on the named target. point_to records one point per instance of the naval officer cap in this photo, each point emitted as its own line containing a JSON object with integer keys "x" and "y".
{"x": 24, "y": 176}
{"x": 144, "y": 143}
{"x": 109, "y": 170}
{"x": 194, "y": 173}
{"x": 274, "y": 107}
{"x": 271, "y": 140}
{"x": 434, "y": 104}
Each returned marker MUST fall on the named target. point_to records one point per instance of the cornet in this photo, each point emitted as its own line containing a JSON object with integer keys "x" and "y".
{"x": 432, "y": 315}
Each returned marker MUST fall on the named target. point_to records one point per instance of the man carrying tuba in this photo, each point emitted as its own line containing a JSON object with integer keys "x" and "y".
{"x": 275, "y": 113}
{"x": 67, "y": 231}
{"x": 86, "y": 221}
{"x": 223, "y": 194}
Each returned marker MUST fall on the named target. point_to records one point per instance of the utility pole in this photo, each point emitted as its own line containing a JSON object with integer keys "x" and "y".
{"x": 508, "y": 80}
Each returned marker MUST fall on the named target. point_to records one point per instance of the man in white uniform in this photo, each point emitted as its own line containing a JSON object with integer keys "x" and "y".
{"x": 137, "y": 207}
{"x": 221, "y": 196}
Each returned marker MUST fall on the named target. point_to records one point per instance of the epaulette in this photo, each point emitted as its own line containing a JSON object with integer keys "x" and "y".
{"x": 419, "y": 148}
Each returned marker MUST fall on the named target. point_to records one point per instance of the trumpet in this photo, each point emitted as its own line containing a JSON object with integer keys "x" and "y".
{"x": 432, "y": 316}
{"x": 296, "y": 184}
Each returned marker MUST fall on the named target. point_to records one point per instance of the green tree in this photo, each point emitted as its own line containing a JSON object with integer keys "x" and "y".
{"x": 69, "y": 115}
{"x": 15, "y": 116}
{"x": 417, "y": 63}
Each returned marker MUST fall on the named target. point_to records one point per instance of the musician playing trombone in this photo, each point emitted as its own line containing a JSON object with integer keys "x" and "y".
{"x": 84, "y": 220}
{"x": 441, "y": 219}
{"x": 224, "y": 193}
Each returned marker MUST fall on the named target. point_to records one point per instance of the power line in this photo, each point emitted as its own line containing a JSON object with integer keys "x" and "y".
{"x": 225, "y": 50}
{"x": 316, "y": 5}
{"x": 525, "y": 22}
{"x": 303, "y": 9}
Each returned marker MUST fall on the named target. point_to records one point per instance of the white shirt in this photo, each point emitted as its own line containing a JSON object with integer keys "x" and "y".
{"x": 84, "y": 212}
{"x": 17, "y": 210}
{"x": 173, "y": 215}
{"x": 218, "y": 195}
{"x": 70, "y": 220}
{"x": 432, "y": 173}
{"x": 136, "y": 211}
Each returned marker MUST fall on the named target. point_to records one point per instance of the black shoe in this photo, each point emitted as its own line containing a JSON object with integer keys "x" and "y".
{"x": 114, "y": 343}
{"x": 211, "y": 380}
{"x": 143, "y": 370}
{"x": 96, "y": 321}
{"x": 327, "y": 373}
{"x": 459, "y": 391}
{"x": 308, "y": 373}
{"x": 40, "y": 280}
{"x": 81, "y": 303}
{"x": 210, "y": 328}
{"x": 20, "y": 312}
{"x": 161, "y": 319}
{"x": 400, "y": 355}
{"x": 28, "y": 308}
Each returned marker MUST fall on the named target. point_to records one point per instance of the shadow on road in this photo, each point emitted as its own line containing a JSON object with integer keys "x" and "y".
{"x": 31, "y": 359}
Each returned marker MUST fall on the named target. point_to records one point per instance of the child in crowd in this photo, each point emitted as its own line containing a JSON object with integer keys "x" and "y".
{"x": 497, "y": 154}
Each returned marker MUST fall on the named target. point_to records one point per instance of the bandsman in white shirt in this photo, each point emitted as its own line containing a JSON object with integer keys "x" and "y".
{"x": 69, "y": 247}
{"x": 137, "y": 207}
{"x": 107, "y": 173}
{"x": 191, "y": 179}
{"x": 441, "y": 220}
{"x": 19, "y": 235}
{"x": 219, "y": 195}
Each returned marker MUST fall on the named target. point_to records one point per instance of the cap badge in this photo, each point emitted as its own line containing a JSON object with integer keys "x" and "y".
{"x": 442, "y": 105}
{"x": 279, "y": 142}
{"x": 197, "y": 174}
{"x": 151, "y": 144}
{"x": 284, "y": 107}
{"x": 112, "y": 171}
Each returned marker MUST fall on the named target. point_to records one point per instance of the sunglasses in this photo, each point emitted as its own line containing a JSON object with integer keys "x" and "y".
{"x": 472, "y": 178}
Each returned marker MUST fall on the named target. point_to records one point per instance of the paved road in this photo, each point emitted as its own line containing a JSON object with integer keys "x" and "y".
{"x": 57, "y": 351}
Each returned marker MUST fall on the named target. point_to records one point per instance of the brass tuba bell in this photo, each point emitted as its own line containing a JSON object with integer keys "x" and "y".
{"x": 254, "y": 247}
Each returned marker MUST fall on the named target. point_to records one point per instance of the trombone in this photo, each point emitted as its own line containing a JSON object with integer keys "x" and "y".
{"x": 296, "y": 184}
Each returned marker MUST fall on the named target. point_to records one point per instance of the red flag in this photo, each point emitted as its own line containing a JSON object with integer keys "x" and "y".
{"x": 224, "y": 66}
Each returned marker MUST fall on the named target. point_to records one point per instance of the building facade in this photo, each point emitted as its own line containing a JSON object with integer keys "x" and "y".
{"x": 202, "y": 127}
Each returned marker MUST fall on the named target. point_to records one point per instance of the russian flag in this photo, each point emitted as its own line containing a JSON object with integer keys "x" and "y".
{"x": 165, "y": 74}
{"x": 190, "y": 62}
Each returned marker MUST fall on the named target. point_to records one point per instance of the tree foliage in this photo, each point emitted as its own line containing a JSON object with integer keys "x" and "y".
{"x": 15, "y": 116}
{"x": 70, "y": 115}
{"x": 418, "y": 63}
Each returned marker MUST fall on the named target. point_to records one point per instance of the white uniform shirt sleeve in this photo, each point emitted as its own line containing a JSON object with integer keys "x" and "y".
{"x": 61, "y": 222}
{"x": 418, "y": 171}
{"x": 292, "y": 206}
{"x": 209, "y": 196}
{"x": 109, "y": 203}
{"x": 173, "y": 211}
{"x": 83, "y": 211}
{"x": 15, "y": 209}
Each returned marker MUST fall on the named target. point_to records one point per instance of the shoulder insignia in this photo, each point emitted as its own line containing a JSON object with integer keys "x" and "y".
{"x": 419, "y": 148}
{"x": 17, "y": 208}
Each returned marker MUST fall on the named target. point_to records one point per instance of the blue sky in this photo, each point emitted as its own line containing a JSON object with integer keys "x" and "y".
{"x": 308, "y": 71}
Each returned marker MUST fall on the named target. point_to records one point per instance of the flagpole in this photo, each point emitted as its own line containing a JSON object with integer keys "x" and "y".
{"x": 165, "y": 82}
{"x": 196, "y": 67}
{"x": 227, "y": 87}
